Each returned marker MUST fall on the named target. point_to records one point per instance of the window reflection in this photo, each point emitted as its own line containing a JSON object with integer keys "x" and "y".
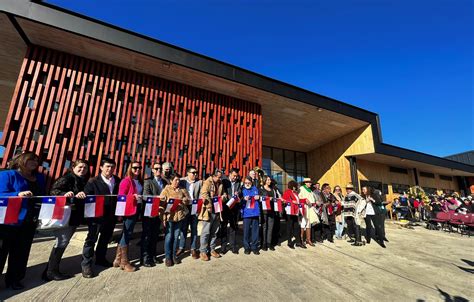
{"x": 284, "y": 165}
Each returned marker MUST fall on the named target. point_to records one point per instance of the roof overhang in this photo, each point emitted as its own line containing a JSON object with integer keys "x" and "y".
{"x": 403, "y": 158}
{"x": 284, "y": 106}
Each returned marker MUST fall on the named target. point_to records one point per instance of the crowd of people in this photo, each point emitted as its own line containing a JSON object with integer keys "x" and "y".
{"x": 313, "y": 213}
{"x": 426, "y": 208}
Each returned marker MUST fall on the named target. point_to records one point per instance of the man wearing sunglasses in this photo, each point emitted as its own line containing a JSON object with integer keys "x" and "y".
{"x": 193, "y": 186}
{"x": 151, "y": 225}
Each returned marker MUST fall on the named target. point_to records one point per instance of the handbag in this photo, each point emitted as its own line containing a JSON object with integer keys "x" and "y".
{"x": 52, "y": 224}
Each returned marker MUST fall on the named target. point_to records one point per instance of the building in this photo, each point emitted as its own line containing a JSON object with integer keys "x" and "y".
{"x": 468, "y": 159}
{"x": 73, "y": 87}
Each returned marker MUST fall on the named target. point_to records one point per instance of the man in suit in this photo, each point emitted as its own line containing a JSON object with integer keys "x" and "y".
{"x": 151, "y": 225}
{"x": 100, "y": 229}
{"x": 231, "y": 188}
{"x": 193, "y": 186}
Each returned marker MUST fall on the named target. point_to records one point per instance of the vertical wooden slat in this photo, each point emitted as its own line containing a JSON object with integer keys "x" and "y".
{"x": 88, "y": 93}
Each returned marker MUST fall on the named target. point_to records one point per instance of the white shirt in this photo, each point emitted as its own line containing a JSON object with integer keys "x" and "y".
{"x": 159, "y": 182}
{"x": 190, "y": 187}
{"x": 232, "y": 187}
{"x": 110, "y": 182}
{"x": 369, "y": 209}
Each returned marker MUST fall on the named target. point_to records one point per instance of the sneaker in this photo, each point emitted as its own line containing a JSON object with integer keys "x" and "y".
{"x": 256, "y": 252}
{"x": 247, "y": 252}
{"x": 235, "y": 251}
{"x": 271, "y": 248}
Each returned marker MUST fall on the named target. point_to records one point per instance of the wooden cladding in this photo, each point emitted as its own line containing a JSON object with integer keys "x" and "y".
{"x": 66, "y": 107}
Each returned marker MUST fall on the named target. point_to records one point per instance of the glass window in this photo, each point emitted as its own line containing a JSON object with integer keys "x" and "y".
{"x": 277, "y": 159}
{"x": 290, "y": 161}
{"x": 284, "y": 165}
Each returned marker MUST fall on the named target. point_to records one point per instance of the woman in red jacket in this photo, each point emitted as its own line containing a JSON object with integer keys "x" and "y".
{"x": 132, "y": 184}
{"x": 292, "y": 222}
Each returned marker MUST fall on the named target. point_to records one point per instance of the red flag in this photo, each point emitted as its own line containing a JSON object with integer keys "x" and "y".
{"x": 94, "y": 206}
{"x": 126, "y": 205}
{"x": 233, "y": 201}
{"x": 10, "y": 209}
{"x": 52, "y": 207}
{"x": 277, "y": 205}
{"x": 291, "y": 208}
{"x": 267, "y": 203}
{"x": 172, "y": 205}
{"x": 152, "y": 207}
{"x": 251, "y": 203}
{"x": 196, "y": 206}
{"x": 217, "y": 202}
{"x": 302, "y": 209}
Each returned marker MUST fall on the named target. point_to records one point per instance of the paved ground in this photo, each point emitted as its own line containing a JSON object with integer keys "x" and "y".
{"x": 417, "y": 265}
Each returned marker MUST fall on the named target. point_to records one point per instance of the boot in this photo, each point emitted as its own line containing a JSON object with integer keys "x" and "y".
{"x": 118, "y": 256}
{"x": 124, "y": 263}
{"x": 308, "y": 237}
{"x": 52, "y": 269}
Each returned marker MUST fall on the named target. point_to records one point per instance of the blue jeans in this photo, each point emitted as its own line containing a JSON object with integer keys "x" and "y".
{"x": 251, "y": 230}
{"x": 171, "y": 238}
{"x": 339, "y": 229}
{"x": 127, "y": 232}
{"x": 192, "y": 222}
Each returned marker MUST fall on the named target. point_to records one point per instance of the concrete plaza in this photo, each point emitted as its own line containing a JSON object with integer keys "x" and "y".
{"x": 417, "y": 265}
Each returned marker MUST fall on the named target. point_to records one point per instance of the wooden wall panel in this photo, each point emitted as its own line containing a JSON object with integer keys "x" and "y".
{"x": 328, "y": 163}
{"x": 67, "y": 107}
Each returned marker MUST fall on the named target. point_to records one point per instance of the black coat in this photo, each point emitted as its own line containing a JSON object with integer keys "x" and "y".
{"x": 67, "y": 183}
{"x": 227, "y": 188}
{"x": 96, "y": 186}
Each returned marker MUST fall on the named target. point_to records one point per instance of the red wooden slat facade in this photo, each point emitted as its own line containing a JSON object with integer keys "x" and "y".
{"x": 66, "y": 107}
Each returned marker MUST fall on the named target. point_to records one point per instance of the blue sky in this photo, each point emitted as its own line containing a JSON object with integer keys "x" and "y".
{"x": 409, "y": 61}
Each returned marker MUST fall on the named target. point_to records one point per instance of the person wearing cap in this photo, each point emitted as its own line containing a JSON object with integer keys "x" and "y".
{"x": 353, "y": 208}
{"x": 212, "y": 187}
{"x": 309, "y": 218}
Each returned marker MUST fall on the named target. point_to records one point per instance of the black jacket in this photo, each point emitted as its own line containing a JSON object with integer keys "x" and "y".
{"x": 67, "y": 183}
{"x": 96, "y": 186}
{"x": 227, "y": 188}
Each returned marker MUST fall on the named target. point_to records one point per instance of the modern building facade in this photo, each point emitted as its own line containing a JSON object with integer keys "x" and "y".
{"x": 73, "y": 87}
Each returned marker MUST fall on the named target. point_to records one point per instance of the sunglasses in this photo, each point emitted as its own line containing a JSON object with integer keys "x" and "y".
{"x": 193, "y": 172}
{"x": 157, "y": 169}
{"x": 136, "y": 168}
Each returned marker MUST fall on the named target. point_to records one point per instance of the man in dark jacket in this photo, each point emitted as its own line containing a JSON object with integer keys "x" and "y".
{"x": 106, "y": 183}
{"x": 230, "y": 216}
{"x": 151, "y": 225}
